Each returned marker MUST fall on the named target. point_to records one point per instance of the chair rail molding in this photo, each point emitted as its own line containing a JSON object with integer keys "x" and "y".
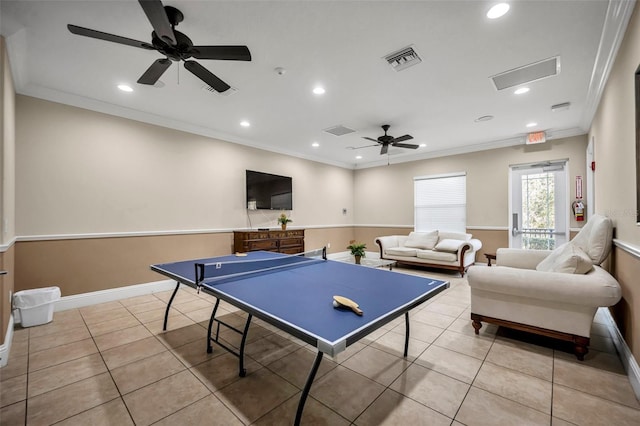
{"x": 633, "y": 250}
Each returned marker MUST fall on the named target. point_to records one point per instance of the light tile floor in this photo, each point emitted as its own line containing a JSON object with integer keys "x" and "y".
{"x": 111, "y": 364}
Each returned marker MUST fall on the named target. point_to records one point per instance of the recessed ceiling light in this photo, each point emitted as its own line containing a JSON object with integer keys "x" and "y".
{"x": 125, "y": 88}
{"x": 521, "y": 90}
{"x": 315, "y": 144}
{"x": 484, "y": 118}
{"x": 318, "y": 90}
{"x": 422, "y": 145}
{"x": 358, "y": 157}
{"x": 245, "y": 123}
{"x": 532, "y": 124}
{"x": 498, "y": 10}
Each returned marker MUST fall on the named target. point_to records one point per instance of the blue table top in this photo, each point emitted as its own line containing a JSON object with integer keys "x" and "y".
{"x": 301, "y": 298}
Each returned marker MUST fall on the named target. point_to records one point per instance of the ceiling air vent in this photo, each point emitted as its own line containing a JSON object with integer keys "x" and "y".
{"x": 339, "y": 130}
{"x": 228, "y": 92}
{"x": 403, "y": 58}
{"x": 528, "y": 73}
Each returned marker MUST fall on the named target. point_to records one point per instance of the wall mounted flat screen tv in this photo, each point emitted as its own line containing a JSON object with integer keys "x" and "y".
{"x": 269, "y": 192}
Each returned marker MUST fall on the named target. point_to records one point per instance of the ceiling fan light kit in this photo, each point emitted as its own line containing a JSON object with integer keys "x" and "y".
{"x": 174, "y": 45}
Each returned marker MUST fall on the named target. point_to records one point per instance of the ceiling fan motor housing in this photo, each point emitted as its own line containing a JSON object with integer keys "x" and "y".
{"x": 176, "y": 53}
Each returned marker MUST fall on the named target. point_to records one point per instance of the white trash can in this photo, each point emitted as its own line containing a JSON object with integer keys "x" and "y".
{"x": 36, "y": 306}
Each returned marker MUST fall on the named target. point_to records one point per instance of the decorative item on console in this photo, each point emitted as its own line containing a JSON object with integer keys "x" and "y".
{"x": 283, "y": 220}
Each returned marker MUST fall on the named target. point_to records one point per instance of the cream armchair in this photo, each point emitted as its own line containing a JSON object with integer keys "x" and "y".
{"x": 552, "y": 293}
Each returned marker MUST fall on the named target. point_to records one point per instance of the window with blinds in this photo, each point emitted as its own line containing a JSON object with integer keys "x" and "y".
{"x": 440, "y": 202}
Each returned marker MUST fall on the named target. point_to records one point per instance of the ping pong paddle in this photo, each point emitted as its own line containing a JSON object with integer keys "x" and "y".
{"x": 345, "y": 301}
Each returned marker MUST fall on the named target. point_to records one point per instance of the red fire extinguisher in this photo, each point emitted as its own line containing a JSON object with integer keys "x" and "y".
{"x": 578, "y": 210}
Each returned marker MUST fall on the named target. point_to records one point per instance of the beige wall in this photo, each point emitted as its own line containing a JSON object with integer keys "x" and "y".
{"x": 83, "y": 172}
{"x": 384, "y": 195}
{"x": 83, "y": 175}
{"x": 613, "y": 132}
{"x": 7, "y": 187}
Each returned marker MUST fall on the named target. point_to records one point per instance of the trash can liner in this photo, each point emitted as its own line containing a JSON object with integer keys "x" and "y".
{"x": 36, "y": 297}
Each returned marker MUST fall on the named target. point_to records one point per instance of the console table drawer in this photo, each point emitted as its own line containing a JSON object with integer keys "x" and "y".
{"x": 289, "y": 242}
{"x": 268, "y": 245}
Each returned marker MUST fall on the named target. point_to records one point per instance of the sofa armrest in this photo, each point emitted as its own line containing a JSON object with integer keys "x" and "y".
{"x": 520, "y": 258}
{"x": 596, "y": 288}
{"x": 386, "y": 242}
{"x": 475, "y": 244}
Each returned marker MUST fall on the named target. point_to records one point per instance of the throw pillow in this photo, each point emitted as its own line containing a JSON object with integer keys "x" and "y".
{"x": 567, "y": 259}
{"x": 449, "y": 245}
{"x": 422, "y": 240}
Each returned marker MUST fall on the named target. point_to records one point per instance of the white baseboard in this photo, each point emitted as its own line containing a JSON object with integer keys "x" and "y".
{"x": 87, "y": 299}
{"x": 628, "y": 361}
{"x": 5, "y": 348}
{"x": 102, "y": 296}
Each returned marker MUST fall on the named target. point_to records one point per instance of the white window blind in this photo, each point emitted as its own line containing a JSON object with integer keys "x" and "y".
{"x": 440, "y": 202}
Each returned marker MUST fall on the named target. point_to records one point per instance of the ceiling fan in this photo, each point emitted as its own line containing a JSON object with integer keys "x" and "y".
{"x": 174, "y": 45}
{"x": 386, "y": 141}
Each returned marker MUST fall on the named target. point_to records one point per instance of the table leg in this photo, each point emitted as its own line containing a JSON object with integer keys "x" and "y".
{"x": 307, "y": 387}
{"x": 211, "y": 320}
{"x": 406, "y": 338}
{"x": 166, "y": 313}
{"x": 243, "y": 372}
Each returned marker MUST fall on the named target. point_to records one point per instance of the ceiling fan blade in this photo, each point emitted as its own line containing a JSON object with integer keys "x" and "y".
{"x": 405, "y": 145}
{"x": 360, "y": 147}
{"x": 109, "y": 37}
{"x": 205, "y": 75}
{"x": 403, "y": 138}
{"x": 223, "y": 53}
{"x": 159, "y": 21}
{"x": 154, "y": 72}
{"x": 384, "y": 149}
{"x": 370, "y": 139}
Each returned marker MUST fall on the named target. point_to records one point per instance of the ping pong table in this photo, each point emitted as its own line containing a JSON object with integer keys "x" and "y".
{"x": 295, "y": 294}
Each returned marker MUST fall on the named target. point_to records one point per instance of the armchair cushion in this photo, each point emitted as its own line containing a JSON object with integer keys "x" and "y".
{"x": 568, "y": 259}
{"x": 422, "y": 240}
{"x": 595, "y": 238}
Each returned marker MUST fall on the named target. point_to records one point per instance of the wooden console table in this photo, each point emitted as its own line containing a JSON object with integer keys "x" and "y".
{"x": 289, "y": 241}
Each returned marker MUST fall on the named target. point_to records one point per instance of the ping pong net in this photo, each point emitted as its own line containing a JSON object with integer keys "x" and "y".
{"x": 215, "y": 272}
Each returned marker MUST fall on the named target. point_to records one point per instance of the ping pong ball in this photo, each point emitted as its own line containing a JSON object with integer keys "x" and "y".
{"x": 335, "y": 304}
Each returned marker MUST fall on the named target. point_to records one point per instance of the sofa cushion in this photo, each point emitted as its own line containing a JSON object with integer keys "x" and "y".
{"x": 437, "y": 256}
{"x": 402, "y": 251}
{"x": 568, "y": 259}
{"x": 454, "y": 235}
{"x": 449, "y": 245}
{"x": 422, "y": 240}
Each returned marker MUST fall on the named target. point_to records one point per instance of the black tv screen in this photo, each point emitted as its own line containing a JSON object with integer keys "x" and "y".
{"x": 267, "y": 191}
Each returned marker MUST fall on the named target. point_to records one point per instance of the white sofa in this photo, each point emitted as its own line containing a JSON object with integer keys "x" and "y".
{"x": 439, "y": 249}
{"x": 552, "y": 293}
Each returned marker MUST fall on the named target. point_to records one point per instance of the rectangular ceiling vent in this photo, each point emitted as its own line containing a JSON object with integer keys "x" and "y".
{"x": 228, "y": 92}
{"x": 339, "y": 130}
{"x": 403, "y": 58}
{"x": 528, "y": 73}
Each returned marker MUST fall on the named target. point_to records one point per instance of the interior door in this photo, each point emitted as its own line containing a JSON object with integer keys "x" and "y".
{"x": 539, "y": 210}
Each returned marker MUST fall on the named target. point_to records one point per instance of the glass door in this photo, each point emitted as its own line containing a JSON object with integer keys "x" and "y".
{"x": 539, "y": 209}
